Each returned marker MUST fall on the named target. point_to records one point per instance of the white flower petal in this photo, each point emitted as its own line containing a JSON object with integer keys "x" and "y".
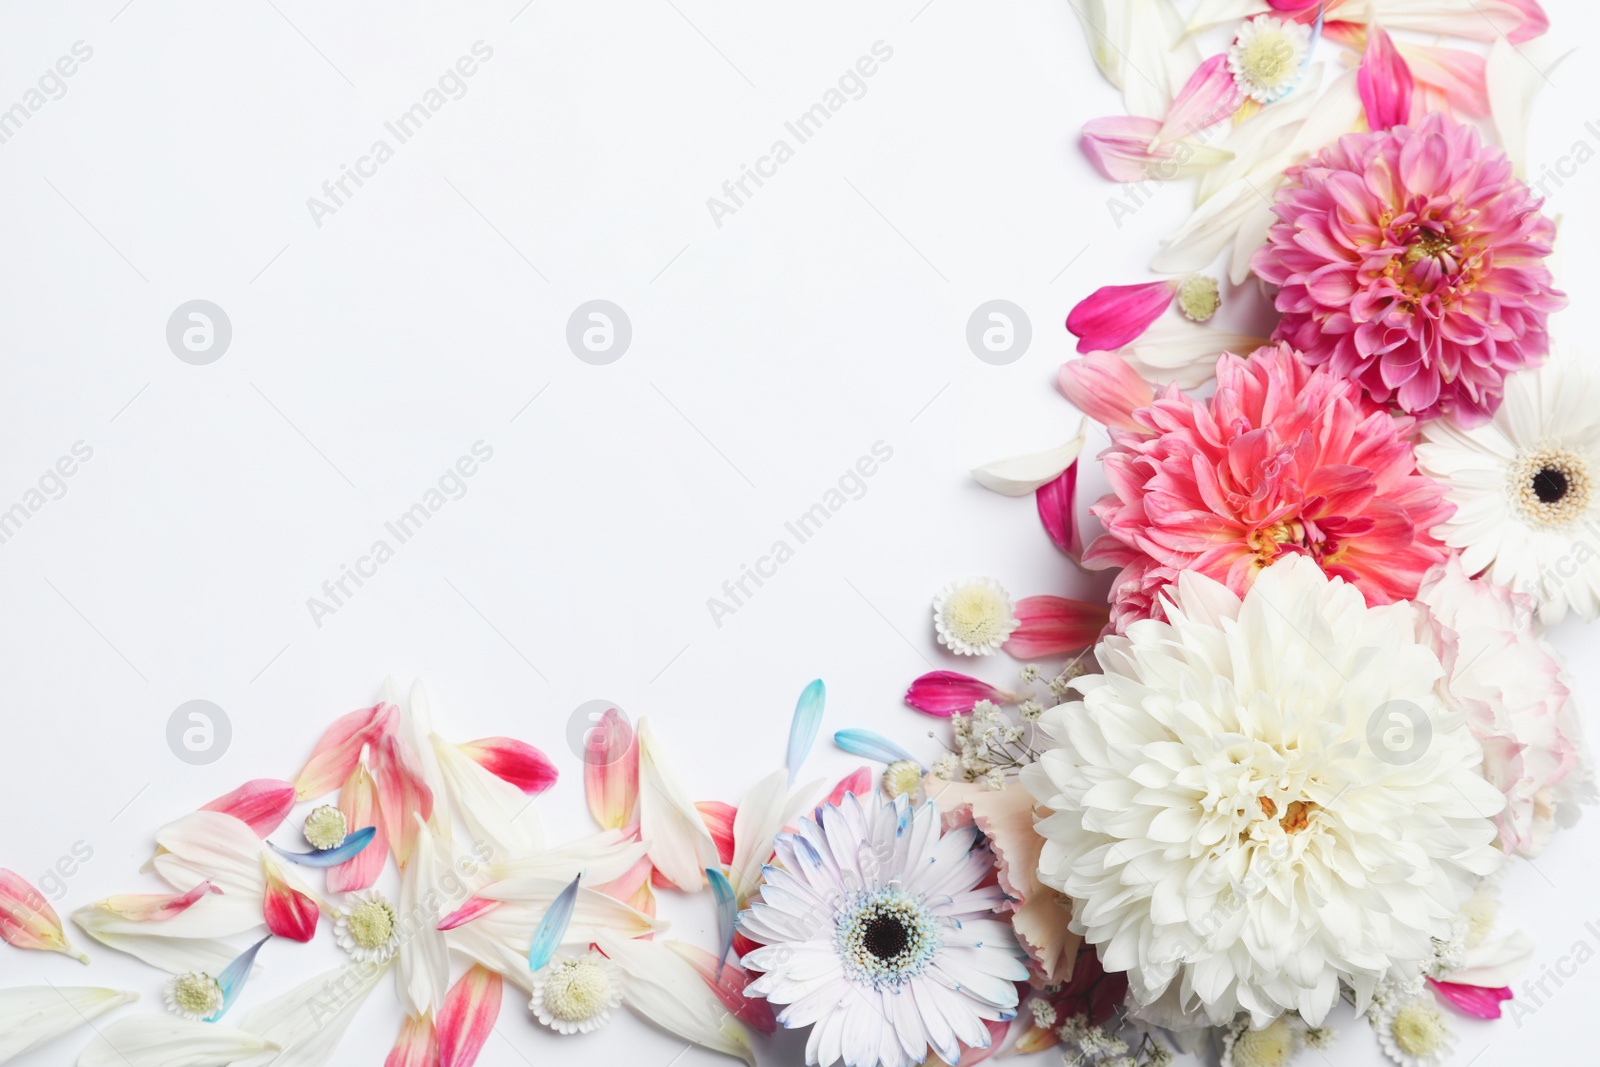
{"x": 1021, "y": 475}
{"x": 1160, "y": 57}
{"x": 310, "y": 1020}
{"x": 1516, "y": 74}
{"x": 496, "y": 812}
{"x": 167, "y": 1041}
{"x": 680, "y": 846}
{"x": 1177, "y": 351}
{"x": 764, "y": 811}
{"x": 668, "y": 991}
{"x": 32, "y": 1015}
{"x": 500, "y": 939}
{"x": 424, "y": 959}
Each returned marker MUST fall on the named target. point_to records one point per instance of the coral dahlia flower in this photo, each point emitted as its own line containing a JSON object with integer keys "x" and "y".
{"x": 1284, "y": 459}
{"x": 1412, "y": 261}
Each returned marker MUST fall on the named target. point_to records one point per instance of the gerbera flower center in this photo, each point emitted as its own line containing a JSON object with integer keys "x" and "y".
{"x": 197, "y": 993}
{"x": 1418, "y": 1029}
{"x": 1268, "y": 56}
{"x": 976, "y": 614}
{"x": 1267, "y": 60}
{"x": 325, "y": 828}
{"x": 577, "y": 990}
{"x": 371, "y": 924}
{"x": 1550, "y": 487}
{"x": 886, "y": 937}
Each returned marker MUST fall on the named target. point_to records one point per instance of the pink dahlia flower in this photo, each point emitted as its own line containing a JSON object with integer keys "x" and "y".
{"x": 1282, "y": 458}
{"x": 1410, "y": 260}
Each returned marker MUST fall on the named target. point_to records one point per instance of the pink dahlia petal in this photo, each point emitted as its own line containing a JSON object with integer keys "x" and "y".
{"x": 1104, "y": 387}
{"x": 1210, "y": 95}
{"x": 1385, "y": 82}
{"x": 1114, "y": 315}
{"x": 1053, "y": 626}
{"x": 1057, "y": 502}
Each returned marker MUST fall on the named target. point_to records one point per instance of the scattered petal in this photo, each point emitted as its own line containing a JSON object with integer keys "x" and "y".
{"x": 728, "y": 982}
{"x": 417, "y": 1045}
{"x": 1474, "y": 1000}
{"x": 513, "y": 761}
{"x": 310, "y": 1020}
{"x": 28, "y": 921}
{"x": 858, "y": 781}
{"x": 719, "y": 817}
{"x": 946, "y": 693}
{"x": 289, "y": 913}
{"x": 668, "y": 991}
{"x": 552, "y": 927}
{"x": 1106, "y": 388}
{"x": 611, "y": 770}
{"x": 680, "y": 846}
{"x": 1114, "y": 315}
{"x": 1053, "y": 626}
{"x": 262, "y": 803}
{"x": 235, "y": 975}
{"x": 872, "y": 746}
{"x": 1057, "y": 503}
{"x": 33, "y": 1015}
{"x": 468, "y": 1016}
{"x": 340, "y": 747}
{"x": 1021, "y": 475}
{"x": 168, "y": 1041}
{"x": 330, "y": 857}
{"x": 358, "y": 799}
{"x": 402, "y": 794}
{"x": 727, "y": 908}
{"x": 156, "y": 907}
{"x": 804, "y": 725}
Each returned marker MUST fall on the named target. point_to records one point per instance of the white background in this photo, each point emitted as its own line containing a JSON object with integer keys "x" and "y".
{"x": 429, "y": 313}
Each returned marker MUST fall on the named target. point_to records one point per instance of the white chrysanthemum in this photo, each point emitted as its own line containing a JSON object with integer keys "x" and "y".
{"x": 1268, "y": 57}
{"x": 576, "y": 994}
{"x": 369, "y": 929}
{"x": 195, "y": 995}
{"x": 877, "y": 934}
{"x": 973, "y": 617}
{"x": 1234, "y": 815}
{"x": 1526, "y": 487}
{"x": 1414, "y": 1033}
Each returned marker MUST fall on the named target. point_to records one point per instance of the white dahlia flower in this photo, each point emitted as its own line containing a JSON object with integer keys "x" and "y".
{"x": 877, "y": 933}
{"x": 1262, "y": 798}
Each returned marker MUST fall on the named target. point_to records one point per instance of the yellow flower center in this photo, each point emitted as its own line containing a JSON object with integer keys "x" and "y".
{"x": 325, "y": 828}
{"x": 197, "y": 994}
{"x": 371, "y": 924}
{"x": 1418, "y": 1030}
{"x": 902, "y": 778}
{"x": 577, "y": 990}
{"x": 975, "y": 614}
{"x": 1198, "y": 297}
{"x": 1271, "y": 1047}
{"x": 1268, "y": 59}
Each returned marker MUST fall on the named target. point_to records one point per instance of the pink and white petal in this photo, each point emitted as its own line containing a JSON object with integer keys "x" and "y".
{"x": 611, "y": 770}
{"x": 468, "y": 1016}
{"x": 679, "y": 844}
{"x": 402, "y": 794}
{"x": 514, "y": 761}
{"x": 664, "y": 988}
{"x": 1114, "y": 315}
{"x": 262, "y": 804}
{"x": 358, "y": 799}
{"x": 156, "y": 907}
{"x": 1021, "y": 475}
{"x": 424, "y": 962}
{"x": 310, "y": 1020}
{"x": 1106, "y": 388}
{"x": 288, "y": 912}
{"x": 1385, "y": 82}
{"x": 766, "y": 809}
{"x": 858, "y": 782}
{"x": 417, "y": 1045}
{"x": 1210, "y": 95}
{"x": 1053, "y": 626}
{"x": 28, "y": 921}
{"x": 719, "y": 816}
{"x": 729, "y": 982}
{"x": 496, "y": 812}
{"x": 340, "y": 747}
{"x": 634, "y": 887}
{"x": 208, "y": 845}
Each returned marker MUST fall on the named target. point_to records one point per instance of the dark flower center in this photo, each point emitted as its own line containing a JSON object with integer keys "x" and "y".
{"x": 885, "y": 937}
{"x": 1550, "y": 485}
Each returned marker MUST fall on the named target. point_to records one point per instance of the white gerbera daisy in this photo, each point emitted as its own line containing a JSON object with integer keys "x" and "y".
{"x": 1413, "y": 1033}
{"x": 973, "y": 617}
{"x": 575, "y": 994}
{"x": 1268, "y": 57}
{"x": 1261, "y": 799}
{"x": 195, "y": 995}
{"x": 369, "y": 929}
{"x": 877, "y": 934}
{"x": 1526, "y": 486}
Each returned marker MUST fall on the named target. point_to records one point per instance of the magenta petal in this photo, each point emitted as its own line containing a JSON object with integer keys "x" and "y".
{"x": 513, "y": 761}
{"x": 1385, "y": 82}
{"x": 1057, "y": 502}
{"x": 1475, "y": 1000}
{"x": 1114, "y": 315}
{"x": 1054, "y": 626}
{"x": 262, "y": 804}
{"x": 946, "y": 693}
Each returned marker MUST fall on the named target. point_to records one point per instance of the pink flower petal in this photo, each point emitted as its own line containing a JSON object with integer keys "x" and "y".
{"x": 1104, "y": 387}
{"x": 1210, "y": 95}
{"x": 1474, "y": 1000}
{"x": 358, "y": 799}
{"x": 634, "y": 887}
{"x": 402, "y": 794}
{"x": 718, "y": 817}
{"x": 1057, "y": 503}
{"x": 514, "y": 761}
{"x": 156, "y": 907}
{"x": 858, "y": 782}
{"x": 1124, "y": 149}
{"x": 1385, "y": 82}
{"x": 262, "y": 803}
{"x": 1535, "y": 23}
{"x": 28, "y": 921}
{"x": 417, "y": 1045}
{"x": 946, "y": 693}
{"x": 1053, "y": 626}
{"x": 468, "y": 1016}
{"x": 340, "y": 747}
{"x": 611, "y": 770}
{"x": 476, "y": 908}
{"x": 289, "y": 913}
{"x": 728, "y": 981}
{"x": 1114, "y": 315}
